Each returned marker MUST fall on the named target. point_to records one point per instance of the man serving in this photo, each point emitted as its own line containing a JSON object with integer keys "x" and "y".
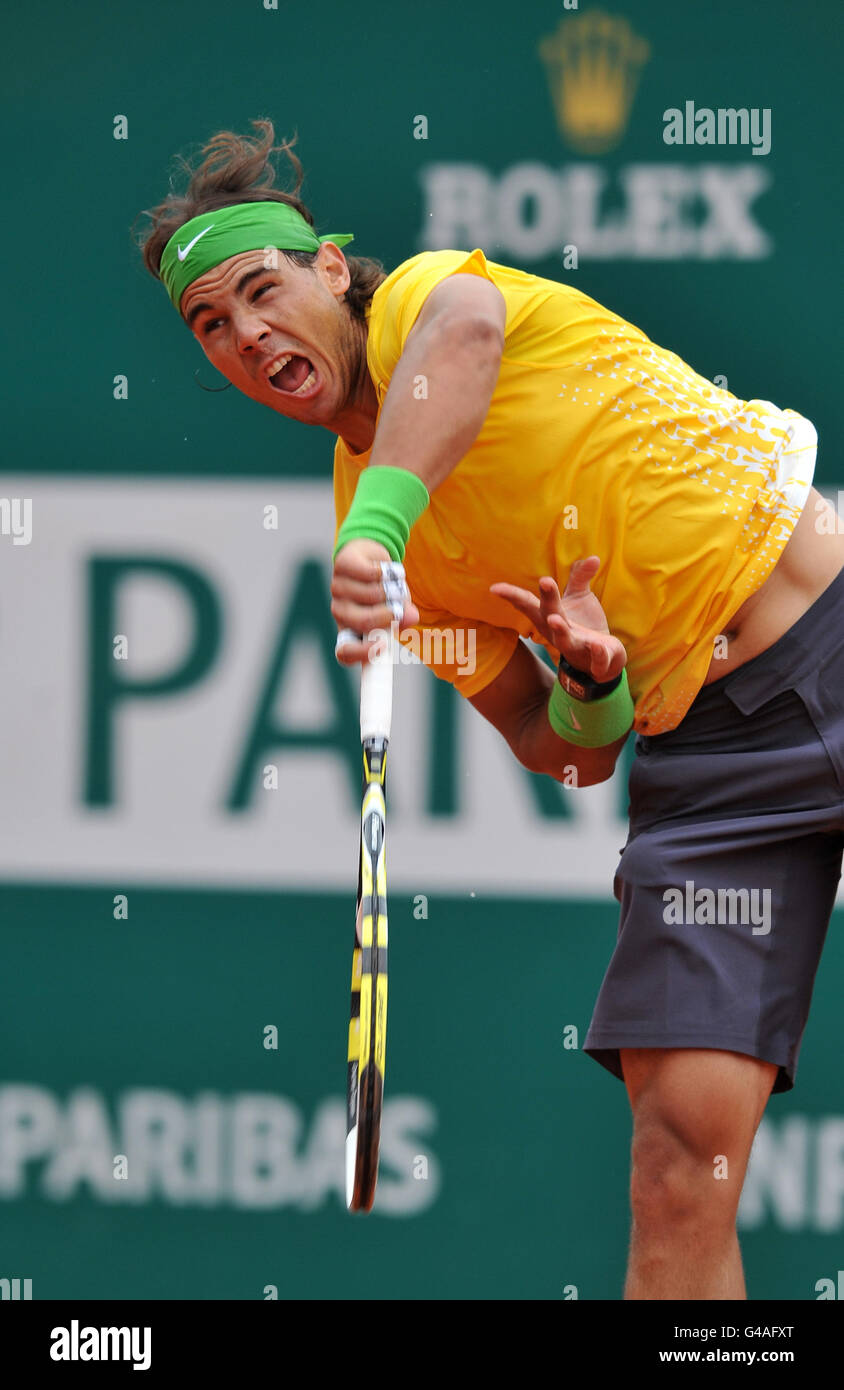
{"x": 697, "y": 600}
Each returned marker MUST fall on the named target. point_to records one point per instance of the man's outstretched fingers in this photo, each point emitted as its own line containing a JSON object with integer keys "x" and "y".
{"x": 523, "y": 599}
{"x": 581, "y": 575}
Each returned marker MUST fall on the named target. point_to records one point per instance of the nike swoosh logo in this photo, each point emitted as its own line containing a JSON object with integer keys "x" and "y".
{"x": 182, "y": 254}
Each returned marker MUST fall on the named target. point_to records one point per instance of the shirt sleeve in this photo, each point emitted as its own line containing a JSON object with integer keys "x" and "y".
{"x": 411, "y": 284}
{"x": 467, "y": 654}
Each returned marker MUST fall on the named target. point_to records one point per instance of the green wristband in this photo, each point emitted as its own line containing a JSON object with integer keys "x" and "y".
{"x": 591, "y": 723}
{"x": 386, "y": 504}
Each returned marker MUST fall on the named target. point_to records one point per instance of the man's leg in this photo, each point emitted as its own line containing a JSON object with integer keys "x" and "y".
{"x": 695, "y": 1113}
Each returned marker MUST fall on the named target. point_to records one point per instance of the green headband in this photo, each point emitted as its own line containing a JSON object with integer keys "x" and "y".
{"x": 205, "y": 241}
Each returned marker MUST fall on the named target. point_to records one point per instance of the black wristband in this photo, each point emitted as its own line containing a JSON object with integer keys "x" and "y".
{"x": 581, "y": 686}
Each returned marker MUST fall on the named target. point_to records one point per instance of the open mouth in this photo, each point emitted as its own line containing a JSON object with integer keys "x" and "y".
{"x": 293, "y": 375}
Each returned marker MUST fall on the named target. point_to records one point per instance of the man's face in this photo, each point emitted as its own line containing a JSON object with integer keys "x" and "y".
{"x": 248, "y": 320}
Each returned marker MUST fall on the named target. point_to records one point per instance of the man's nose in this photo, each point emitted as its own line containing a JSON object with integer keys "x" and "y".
{"x": 251, "y": 330}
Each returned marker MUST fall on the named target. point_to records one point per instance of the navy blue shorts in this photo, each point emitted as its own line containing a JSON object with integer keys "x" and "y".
{"x": 733, "y": 858}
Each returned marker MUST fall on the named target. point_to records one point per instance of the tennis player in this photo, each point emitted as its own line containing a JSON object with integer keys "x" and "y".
{"x": 547, "y": 473}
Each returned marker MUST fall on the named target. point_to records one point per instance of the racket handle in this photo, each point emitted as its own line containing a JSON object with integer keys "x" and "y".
{"x": 376, "y": 691}
{"x": 376, "y": 676}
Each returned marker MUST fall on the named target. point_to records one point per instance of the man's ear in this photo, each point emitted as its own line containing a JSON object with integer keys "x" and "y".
{"x": 333, "y": 266}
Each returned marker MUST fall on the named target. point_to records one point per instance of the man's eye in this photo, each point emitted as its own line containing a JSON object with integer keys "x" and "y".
{"x": 214, "y": 324}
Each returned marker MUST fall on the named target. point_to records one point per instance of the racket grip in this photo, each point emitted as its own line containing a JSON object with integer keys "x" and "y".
{"x": 376, "y": 691}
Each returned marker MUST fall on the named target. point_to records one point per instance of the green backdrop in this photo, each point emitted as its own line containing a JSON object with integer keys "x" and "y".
{"x": 526, "y": 1140}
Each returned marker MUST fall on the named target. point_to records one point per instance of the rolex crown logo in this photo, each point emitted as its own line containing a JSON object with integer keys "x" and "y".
{"x": 593, "y": 63}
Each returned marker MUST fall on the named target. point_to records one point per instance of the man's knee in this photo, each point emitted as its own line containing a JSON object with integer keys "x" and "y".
{"x": 680, "y": 1178}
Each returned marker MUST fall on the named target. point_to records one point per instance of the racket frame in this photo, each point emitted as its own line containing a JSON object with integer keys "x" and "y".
{"x": 368, "y": 1015}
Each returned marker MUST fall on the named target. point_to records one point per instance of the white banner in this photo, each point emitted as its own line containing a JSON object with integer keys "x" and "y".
{"x": 103, "y": 782}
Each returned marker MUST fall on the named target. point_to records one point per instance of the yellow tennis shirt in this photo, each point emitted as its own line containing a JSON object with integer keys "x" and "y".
{"x": 596, "y": 442}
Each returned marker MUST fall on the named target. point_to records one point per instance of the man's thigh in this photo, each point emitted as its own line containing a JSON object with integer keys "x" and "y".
{"x": 695, "y": 1104}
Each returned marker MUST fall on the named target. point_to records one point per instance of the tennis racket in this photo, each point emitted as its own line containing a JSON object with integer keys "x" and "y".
{"x": 368, "y": 1014}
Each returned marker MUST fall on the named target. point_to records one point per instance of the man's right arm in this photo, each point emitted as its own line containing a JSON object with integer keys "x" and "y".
{"x": 516, "y": 703}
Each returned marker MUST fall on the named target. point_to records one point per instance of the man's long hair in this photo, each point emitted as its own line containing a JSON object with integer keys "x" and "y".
{"x": 239, "y": 169}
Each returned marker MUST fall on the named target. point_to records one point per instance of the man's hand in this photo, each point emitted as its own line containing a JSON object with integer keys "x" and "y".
{"x": 357, "y": 597}
{"x": 573, "y": 623}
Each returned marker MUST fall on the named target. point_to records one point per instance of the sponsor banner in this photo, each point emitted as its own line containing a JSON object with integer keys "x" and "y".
{"x": 252, "y": 1151}
{"x": 795, "y": 1178}
{"x": 174, "y": 711}
{"x": 259, "y": 1151}
{"x": 581, "y": 211}
{"x": 687, "y": 196}
{"x": 172, "y": 1106}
